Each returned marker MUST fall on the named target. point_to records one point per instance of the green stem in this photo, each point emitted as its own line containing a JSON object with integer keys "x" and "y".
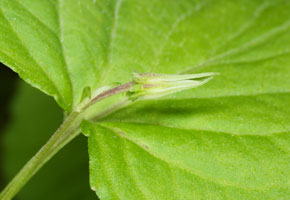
{"x": 64, "y": 134}
{"x": 69, "y": 126}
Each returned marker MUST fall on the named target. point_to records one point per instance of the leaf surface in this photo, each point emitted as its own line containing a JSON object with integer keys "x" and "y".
{"x": 64, "y": 46}
{"x": 227, "y": 139}
{"x": 194, "y": 149}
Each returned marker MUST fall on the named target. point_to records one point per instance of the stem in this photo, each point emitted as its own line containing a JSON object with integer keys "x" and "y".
{"x": 52, "y": 146}
{"x": 63, "y": 135}
{"x": 116, "y": 90}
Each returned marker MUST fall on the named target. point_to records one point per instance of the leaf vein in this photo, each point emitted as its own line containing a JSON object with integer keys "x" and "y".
{"x": 132, "y": 175}
{"x": 114, "y": 27}
{"x": 172, "y": 30}
{"x": 58, "y": 11}
{"x": 258, "y": 41}
{"x": 170, "y": 164}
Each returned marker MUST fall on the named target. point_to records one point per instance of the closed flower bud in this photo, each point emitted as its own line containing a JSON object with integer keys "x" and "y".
{"x": 150, "y": 86}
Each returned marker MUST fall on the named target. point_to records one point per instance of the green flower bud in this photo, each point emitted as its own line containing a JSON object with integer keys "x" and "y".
{"x": 150, "y": 86}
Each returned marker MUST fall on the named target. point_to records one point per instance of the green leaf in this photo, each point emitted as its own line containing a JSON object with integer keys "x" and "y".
{"x": 212, "y": 148}
{"x": 26, "y": 132}
{"x": 227, "y": 139}
{"x": 64, "y": 46}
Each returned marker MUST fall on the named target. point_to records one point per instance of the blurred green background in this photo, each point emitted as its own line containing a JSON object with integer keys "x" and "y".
{"x": 27, "y": 119}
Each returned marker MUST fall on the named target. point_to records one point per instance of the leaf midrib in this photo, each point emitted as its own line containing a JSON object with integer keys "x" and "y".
{"x": 143, "y": 123}
{"x": 113, "y": 30}
{"x": 64, "y": 57}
